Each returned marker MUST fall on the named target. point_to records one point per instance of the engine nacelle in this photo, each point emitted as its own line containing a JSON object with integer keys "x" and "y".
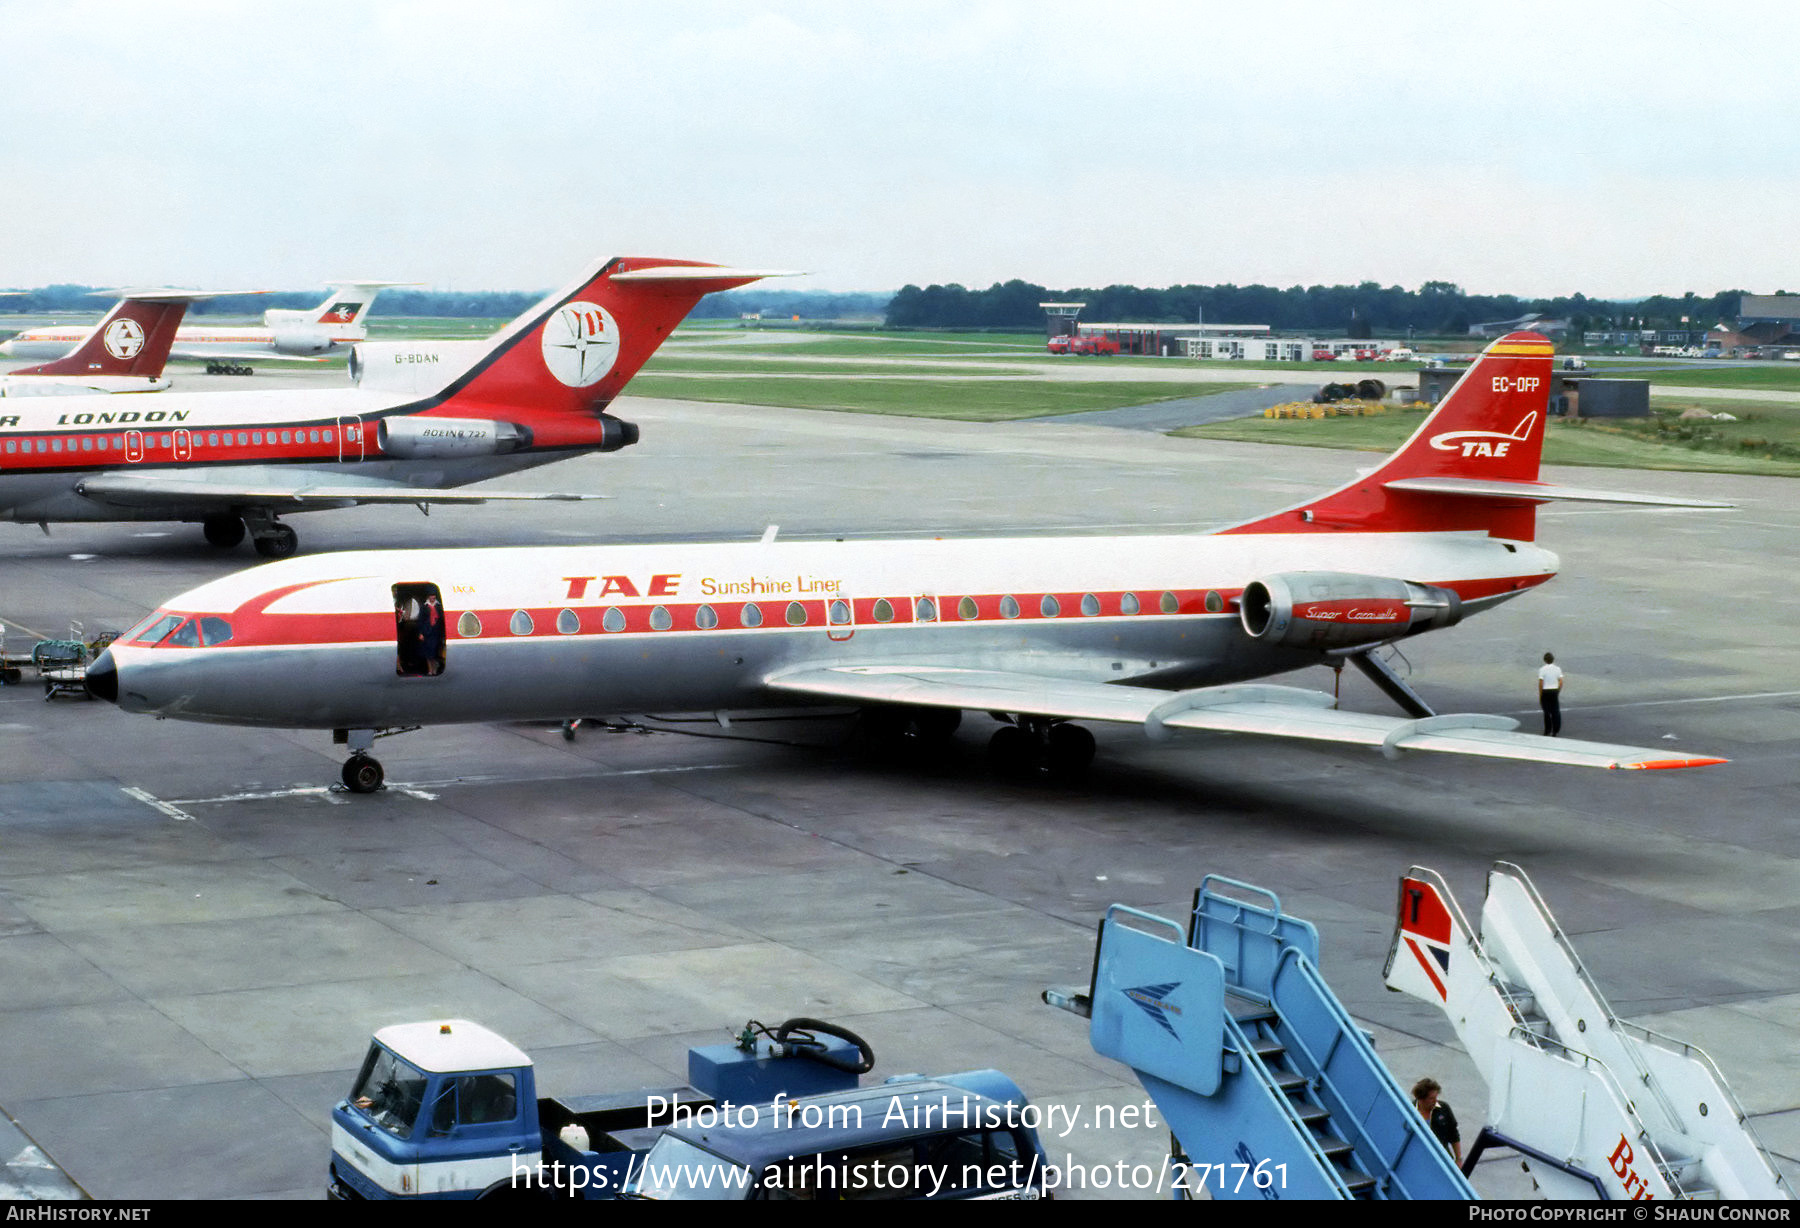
{"x": 443, "y": 437}
{"x": 1329, "y": 609}
{"x": 300, "y": 339}
{"x": 411, "y": 366}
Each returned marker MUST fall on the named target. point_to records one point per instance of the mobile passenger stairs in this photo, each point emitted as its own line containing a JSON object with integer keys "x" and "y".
{"x": 1270, "y": 1089}
{"x": 1596, "y": 1106}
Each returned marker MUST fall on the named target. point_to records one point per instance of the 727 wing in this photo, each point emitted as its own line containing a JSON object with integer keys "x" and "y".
{"x": 200, "y": 496}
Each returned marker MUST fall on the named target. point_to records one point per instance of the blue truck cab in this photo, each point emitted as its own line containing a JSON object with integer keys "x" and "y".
{"x": 439, "y": 1110}
{"x": 449, "y": 1109}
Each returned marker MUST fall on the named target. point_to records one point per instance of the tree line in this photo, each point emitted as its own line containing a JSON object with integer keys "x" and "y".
{"x": 1435, "y": 308}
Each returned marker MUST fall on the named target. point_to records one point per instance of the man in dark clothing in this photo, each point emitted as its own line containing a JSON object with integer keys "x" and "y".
{"x": 1438, "y": 1115}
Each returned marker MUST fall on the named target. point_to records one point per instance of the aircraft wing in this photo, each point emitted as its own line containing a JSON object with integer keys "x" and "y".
{"x": 149, "y": 492}
{"x": 1249, "y": 708}
{"x": 265, "y": 355}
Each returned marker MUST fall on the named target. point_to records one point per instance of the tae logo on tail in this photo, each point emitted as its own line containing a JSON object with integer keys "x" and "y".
{"x": 581, "y": 343}
{"x": 1484, "y": 443}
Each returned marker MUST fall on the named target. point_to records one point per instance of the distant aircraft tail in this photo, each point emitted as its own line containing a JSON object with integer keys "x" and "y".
{"x": 344, "y": 307}
{"x": 132, "y": 340}
{"x": 1431, "y": 949}
{"x": 571, "y": 354}
{"x": 1471, "y": 464}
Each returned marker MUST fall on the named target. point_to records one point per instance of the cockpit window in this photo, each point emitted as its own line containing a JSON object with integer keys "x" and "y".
{"x": 187, "y": 635}
{"x": 215, "y": 631}
{"x": 158, "y": 629}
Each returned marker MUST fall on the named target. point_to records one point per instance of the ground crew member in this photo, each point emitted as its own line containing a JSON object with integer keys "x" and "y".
{"x": 1550, "y": 681}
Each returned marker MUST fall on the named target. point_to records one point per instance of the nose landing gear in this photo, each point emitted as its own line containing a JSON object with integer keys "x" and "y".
{"x": 363, "y": 774}
{"x": 362, "y": 771}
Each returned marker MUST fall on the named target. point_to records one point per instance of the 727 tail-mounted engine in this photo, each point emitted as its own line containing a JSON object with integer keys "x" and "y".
{"x": 431, "y": 437}
{"x": 1330, "y": 609}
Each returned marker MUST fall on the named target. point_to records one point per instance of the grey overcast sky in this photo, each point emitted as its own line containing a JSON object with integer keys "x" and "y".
{"x": 1614, "y": 149}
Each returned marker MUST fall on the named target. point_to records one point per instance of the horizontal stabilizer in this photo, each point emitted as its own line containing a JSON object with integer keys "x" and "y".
{"x": 148, "y": 492}
{"x": 700, "y": 272}
{"x": 1251, "y": 708}
{"x": 168, "y": 294}
{"x": 1541, "y": 492}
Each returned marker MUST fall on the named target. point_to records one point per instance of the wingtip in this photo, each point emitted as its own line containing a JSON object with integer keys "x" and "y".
{"x": 1670, "y": 764}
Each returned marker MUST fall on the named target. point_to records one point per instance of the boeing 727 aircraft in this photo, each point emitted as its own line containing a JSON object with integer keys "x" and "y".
{"x": 423, "y": 416}
{"x": 1159, "y": 632}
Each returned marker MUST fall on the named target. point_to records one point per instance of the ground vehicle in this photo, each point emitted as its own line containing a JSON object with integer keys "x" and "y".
{"x": 449, "y": 1109}
{"x": 1323, "y": 356}
{"x": 1082, "y": 343}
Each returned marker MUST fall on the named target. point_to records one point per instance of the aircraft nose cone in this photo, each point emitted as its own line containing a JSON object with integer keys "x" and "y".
{"x": 103, "y": 678}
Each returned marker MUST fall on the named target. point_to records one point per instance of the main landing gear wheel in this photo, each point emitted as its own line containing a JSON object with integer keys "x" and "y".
{"x": 898, "y": 730}
{"x": 223, "y": 531}
{"x": 278, "y": 543}
{"x": 1060, "y": 751}
{"x": 363, "y": 774}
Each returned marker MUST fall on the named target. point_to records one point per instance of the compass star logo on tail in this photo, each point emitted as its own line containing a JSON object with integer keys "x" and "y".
{"x": 124, "y": 338}
{"x": 581, "y": 344}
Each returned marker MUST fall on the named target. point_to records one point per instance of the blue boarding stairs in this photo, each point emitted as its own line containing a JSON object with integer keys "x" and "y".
{"x": 1268, "y": 1086}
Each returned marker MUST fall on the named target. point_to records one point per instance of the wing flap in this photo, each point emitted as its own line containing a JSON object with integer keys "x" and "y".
{"x": 1252, "y": 709}
{"x": 147, "y": 491}
{"x": 978, "y": 690}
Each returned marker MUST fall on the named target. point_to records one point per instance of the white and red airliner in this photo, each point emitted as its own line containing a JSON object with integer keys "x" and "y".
{"x": 291, "y": 335}
{"x": 1160, "y": 632}
{"x": 125, "y": 352}
{"x": 421, "y": 417}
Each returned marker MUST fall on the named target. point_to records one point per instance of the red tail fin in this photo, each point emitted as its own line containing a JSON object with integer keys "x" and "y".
{"x": 1490, "y": 427}
{"x": 1430, "y": 938}
{"x": 572, "y": 353}
{"x": 133, "y": 339}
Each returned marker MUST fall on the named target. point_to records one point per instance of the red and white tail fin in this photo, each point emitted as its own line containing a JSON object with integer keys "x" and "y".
{"x": 573, "y": 352}
{"x": 132, "y": 340}
{"x": 343, "y": 309}
{"x": 1468, "y": 466}
{"x": 349, "y": 302}
{"x": 1431, "y": 944}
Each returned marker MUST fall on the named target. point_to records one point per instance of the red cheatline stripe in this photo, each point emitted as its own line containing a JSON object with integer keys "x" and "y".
{"x": 1425, "y": 963}
{"x": 254, "y": 625}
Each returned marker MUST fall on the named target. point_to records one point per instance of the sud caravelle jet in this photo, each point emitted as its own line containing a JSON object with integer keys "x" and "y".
{"x": 1161, "y": 632}
{"x": 423, "y": 416}
{"x": 286, "y": 334}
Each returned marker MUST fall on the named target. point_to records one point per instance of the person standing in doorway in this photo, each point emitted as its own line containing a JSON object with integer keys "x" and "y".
{"x": 1550, "y": 683}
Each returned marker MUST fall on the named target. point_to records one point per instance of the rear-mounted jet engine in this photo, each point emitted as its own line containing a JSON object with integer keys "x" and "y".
{"x": 1330, "y": 609}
